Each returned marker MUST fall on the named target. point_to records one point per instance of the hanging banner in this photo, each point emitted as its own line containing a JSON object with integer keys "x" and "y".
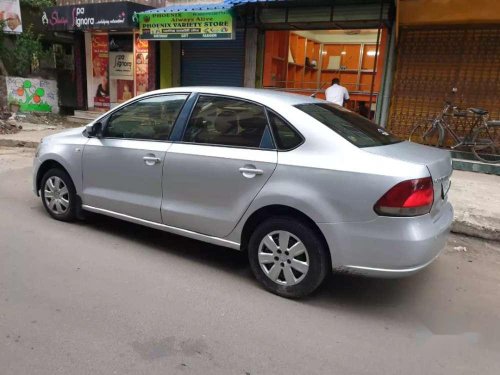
{"x": 100, "y": 80}
{"x": 187, "y": 25}
{"x": 141, "y": 65}
{"x": 10, "y": 14}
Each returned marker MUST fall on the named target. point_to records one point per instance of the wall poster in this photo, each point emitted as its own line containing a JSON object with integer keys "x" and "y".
{"x": 141, "y": 65}
{"x": 10, "y": 14}
{"x": 100, "y": 78}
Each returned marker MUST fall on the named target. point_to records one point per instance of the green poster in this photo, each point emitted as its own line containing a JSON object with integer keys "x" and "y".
{"x": 186, "y": 25}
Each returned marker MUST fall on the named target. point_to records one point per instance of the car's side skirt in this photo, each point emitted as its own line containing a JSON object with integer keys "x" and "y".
{"x": 165, "y": 228}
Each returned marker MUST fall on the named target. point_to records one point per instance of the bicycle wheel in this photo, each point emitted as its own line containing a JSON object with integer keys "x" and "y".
{"x": 425, "y": 132}
{"x": 486, "y": 144}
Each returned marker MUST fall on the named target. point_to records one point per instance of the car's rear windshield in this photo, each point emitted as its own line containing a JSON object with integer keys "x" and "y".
{"x": 356, "y": 129}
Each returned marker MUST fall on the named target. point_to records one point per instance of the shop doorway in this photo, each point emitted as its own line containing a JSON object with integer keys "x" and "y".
{"x": 305, "y": 62}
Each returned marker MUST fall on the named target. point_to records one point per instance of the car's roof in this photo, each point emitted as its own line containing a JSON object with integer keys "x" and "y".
{"x": 264, "y": 96}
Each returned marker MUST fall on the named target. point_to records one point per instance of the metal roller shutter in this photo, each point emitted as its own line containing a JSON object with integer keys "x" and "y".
{"x": 433, "y": 60}
{"x": 213, "y": 63}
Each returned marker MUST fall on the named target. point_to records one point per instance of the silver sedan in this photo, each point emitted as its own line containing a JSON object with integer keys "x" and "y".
{"x": 302, "y": 185}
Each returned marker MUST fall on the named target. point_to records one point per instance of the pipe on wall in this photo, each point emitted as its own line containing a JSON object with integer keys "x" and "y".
{"x": 387, "y": 83}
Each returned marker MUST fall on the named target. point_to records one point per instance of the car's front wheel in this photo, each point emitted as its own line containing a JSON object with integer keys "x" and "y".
{"x": 288, "y": 257}
{"x": 58, "y": 195}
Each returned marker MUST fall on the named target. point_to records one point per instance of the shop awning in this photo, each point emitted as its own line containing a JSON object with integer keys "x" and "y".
{"x": 200, "y": 6}
{"x": 295, "y": 14}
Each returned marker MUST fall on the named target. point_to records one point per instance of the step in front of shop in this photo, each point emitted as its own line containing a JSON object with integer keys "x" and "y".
{"x": 465, "y": 161}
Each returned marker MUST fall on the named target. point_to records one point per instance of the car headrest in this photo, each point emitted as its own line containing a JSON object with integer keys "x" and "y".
{"x": 252, "y": 123}
{"x": 225, "y": 122}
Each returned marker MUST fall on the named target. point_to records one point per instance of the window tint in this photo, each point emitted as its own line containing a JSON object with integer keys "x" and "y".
{"x": 225, "y": 121}
{"x": 286, "y": 137}
{"x": 151, "y": 118}
{"x": 353, "y": 127}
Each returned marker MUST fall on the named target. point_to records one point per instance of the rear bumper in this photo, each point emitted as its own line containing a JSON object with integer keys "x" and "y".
{"x": 388, "y": 246}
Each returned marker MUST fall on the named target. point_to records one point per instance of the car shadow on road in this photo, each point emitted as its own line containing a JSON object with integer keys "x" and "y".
{"x": 196, "y": 251}
{"x": 338, "y": 290}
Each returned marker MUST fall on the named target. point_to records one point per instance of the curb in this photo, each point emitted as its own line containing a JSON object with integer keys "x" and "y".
{"x": 17, "y": 143}
{"x": 475, "y": 230}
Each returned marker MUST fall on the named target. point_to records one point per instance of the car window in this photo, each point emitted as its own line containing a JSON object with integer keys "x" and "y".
{"x": 225, "y": 121}
{"x": 353, "y": 127}
{"x": 285, "y": 136}
{"x": 151, "y": 118}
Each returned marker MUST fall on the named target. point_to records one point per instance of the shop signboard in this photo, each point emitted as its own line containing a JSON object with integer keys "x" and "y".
{"x": 103, "y": 16}
{"x": 205, "y": 25}
{"x": 121, "y": 65}
{"x": 10, "y": 15}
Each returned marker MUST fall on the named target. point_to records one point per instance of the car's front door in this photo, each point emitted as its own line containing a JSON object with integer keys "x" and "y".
{"x": 225, "y": 158}
{"x": 122, "y": 169}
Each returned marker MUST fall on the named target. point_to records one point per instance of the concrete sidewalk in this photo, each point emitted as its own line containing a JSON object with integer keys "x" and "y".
{"x": 30, "y": 136}
{"x": 476, "y": 200}
{"x": 475, "y": 197}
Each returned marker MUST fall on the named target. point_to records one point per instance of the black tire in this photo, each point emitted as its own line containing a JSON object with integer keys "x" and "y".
{"x": 486, "y": 144}
{"x": 69, "y": 214}
{"x": 316, "y": 253}
{"x": 425, "y": 133}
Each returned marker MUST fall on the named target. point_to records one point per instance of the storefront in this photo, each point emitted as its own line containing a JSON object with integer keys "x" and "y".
{"x": 211, "y": 47}
{"x": 442, "y": 49}
{"x": 110, "y": 59}
{"x": 306, "y": 62}
{"x": 296, "y": 46}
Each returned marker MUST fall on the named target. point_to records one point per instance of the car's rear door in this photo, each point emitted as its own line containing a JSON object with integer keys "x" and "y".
{"x": 122, "y": 170}
{"x": 223, "y": 160}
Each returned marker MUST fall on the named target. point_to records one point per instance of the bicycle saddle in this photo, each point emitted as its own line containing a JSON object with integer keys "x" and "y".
{"x": 479, "y": 111}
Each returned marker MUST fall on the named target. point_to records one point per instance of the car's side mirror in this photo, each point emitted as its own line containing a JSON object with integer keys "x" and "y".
{"x": 94, "y": 130}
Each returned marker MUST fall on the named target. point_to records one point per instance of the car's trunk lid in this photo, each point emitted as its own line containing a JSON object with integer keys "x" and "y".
{"x": 437, "y": 161}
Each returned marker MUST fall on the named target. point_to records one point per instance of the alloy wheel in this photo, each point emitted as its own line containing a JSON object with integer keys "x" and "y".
{"x": 283, "y": 258}
{"x": 56, "y": 195}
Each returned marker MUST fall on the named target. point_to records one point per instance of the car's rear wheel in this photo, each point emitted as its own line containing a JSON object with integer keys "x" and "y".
{"x": 58, "y": 195}
{"x": 288, "y": 257}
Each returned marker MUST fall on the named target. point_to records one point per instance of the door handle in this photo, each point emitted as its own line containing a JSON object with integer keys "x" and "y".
{"x": 151, "y": 160}
{"x": 253, "y": 171}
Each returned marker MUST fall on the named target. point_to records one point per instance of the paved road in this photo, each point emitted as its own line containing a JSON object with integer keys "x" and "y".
{"x": 106, "y": 297}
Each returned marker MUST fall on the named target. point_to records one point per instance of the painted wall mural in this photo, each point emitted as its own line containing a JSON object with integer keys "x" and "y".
{"x": 33, "y": 94}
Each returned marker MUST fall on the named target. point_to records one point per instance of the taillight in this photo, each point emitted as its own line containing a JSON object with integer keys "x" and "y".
{"x": 408, "y": 198}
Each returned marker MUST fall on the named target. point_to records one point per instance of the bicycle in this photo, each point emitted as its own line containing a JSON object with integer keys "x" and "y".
{"x": 482, "y": 138}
